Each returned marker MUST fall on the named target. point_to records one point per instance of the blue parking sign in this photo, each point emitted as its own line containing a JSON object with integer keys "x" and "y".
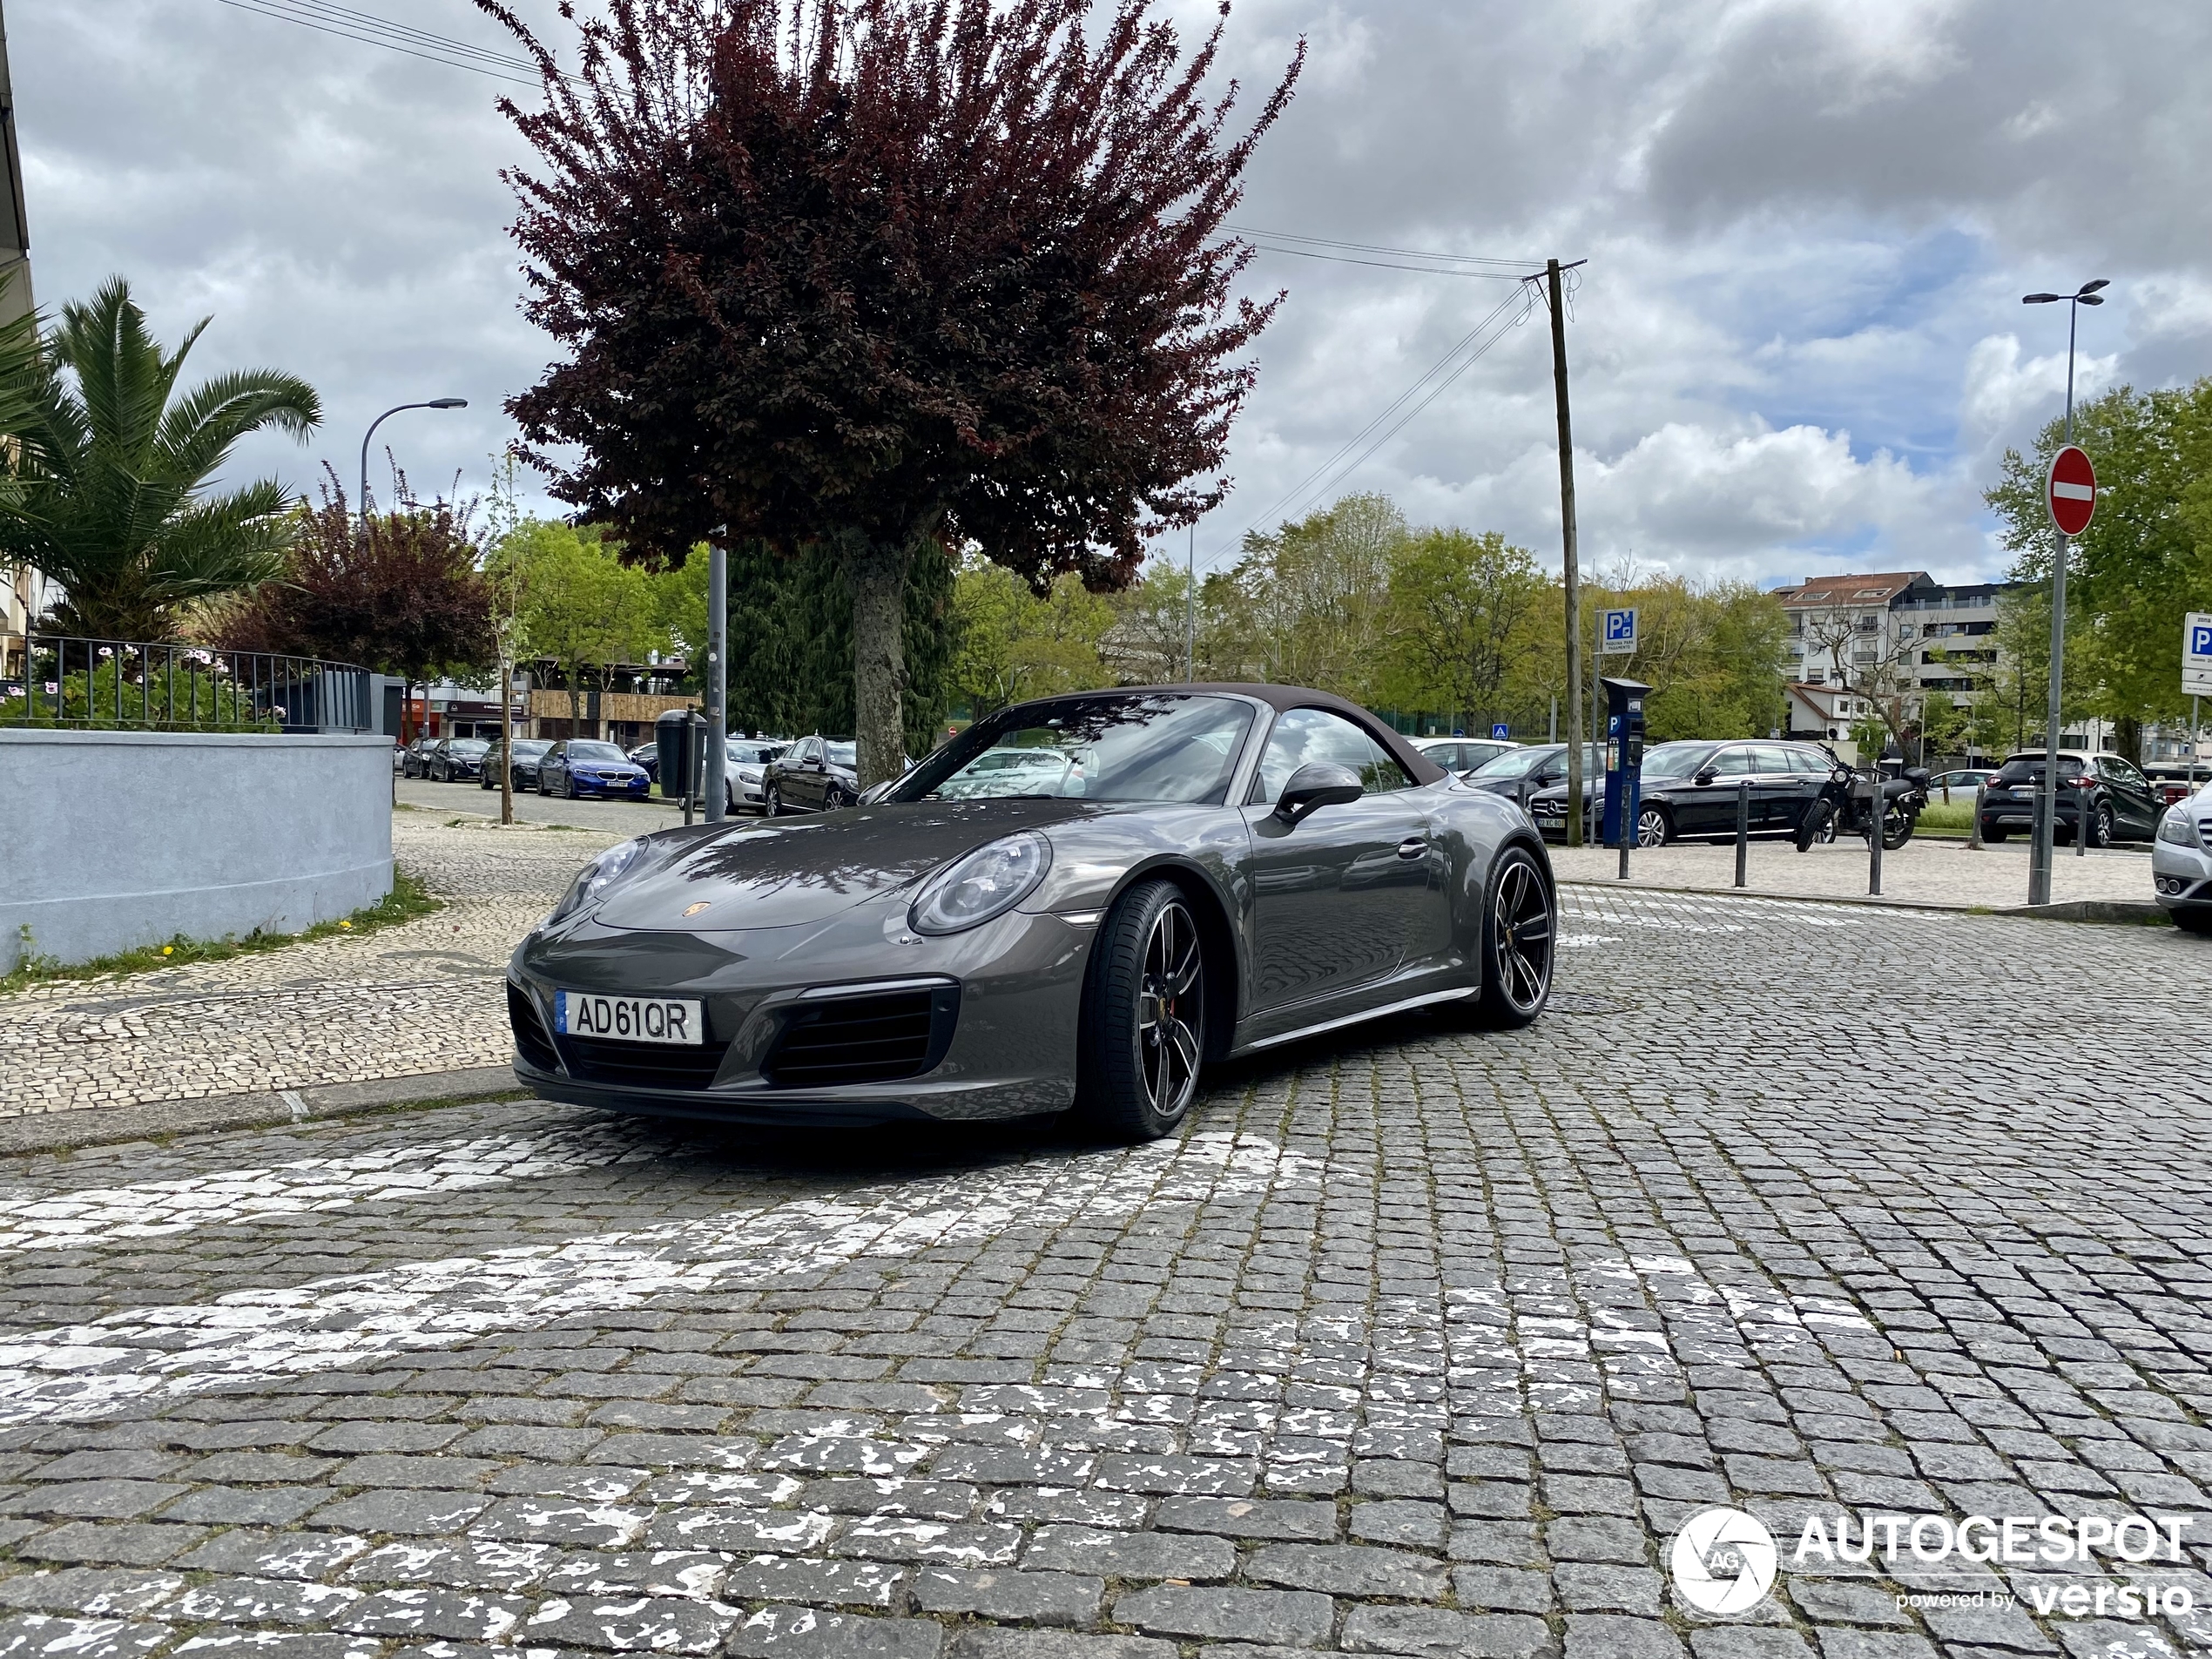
{"x": 1619, "y": 630}
{"x": 2200, "y": 640}
{"x": 1498, "y": 731}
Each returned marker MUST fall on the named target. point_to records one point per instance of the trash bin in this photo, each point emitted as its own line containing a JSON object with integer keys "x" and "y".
{"x": 671, "y": 735}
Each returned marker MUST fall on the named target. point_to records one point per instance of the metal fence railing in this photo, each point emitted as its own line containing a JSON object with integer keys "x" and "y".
{"x": 114, "y": 685}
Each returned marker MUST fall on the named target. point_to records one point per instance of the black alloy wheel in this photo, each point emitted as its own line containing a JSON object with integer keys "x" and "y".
{"x": 1653, "y": 828}
{"x": 2100, "y": 824}
{"x": 1144, "y": 1016}
{"x": 772, "y": 806}
{"x": 1518, "y": 933}
{"x": 832, "y": 798}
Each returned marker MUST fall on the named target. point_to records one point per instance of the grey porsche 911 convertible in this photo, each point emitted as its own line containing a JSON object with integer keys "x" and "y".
{"x": 1078, "y": 902}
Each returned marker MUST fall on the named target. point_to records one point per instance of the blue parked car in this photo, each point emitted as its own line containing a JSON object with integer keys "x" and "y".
{"x": 578, "y": 766}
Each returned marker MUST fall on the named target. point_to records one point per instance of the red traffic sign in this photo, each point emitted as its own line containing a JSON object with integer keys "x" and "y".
{"x": 2071, "y": 491}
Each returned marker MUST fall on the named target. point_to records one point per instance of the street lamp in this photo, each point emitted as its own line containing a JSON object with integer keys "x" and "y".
{"x": 435, "y": 403}
{"x": 406, "y": 688}
{"x": 2046, "y": 807}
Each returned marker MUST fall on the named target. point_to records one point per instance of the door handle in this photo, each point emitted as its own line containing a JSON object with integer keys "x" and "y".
{"x": 1412, "y": 847}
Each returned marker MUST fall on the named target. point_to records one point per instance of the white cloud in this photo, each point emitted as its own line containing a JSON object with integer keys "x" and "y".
{"x": 1798, "y": 338}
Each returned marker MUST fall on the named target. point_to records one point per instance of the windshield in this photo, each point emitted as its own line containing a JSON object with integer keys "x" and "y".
{"x": 2020, "y": 768}
{"x": 754, "y": 754}
{"x": 595, "y": 752}
{"x": 1148, "y": 747}
{"x": 532, "y": 746}
{"x": 470, "y": 746}
{"x": 843, "y": 754}
{"x": 1674, "y": 759}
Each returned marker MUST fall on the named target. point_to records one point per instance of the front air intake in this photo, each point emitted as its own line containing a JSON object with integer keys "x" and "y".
{"x": 869, "y": 1037}
{"x": 532, "y": 1040}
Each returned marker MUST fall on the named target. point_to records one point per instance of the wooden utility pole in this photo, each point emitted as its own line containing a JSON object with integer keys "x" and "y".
{"x": 1552, "y": 269}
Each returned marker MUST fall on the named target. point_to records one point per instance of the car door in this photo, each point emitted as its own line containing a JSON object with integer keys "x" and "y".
{"x": 1781, "y": 788}
{"x": 1335, "y": 898}
{"x": 552, "y": 766}
{"x": 803, "y": 780}
{"x": 1705, "y": 804}
{"x": 2135, "y": 810}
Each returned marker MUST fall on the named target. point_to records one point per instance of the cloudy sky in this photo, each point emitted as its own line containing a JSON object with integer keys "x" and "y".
{"x": 1798, "y": 345}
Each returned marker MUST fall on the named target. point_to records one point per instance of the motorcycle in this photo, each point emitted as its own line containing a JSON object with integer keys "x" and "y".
{"x": 1841, "y": 807}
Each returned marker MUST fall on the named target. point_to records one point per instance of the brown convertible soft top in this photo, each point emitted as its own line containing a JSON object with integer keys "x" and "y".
{"x": 1418, "y": 765}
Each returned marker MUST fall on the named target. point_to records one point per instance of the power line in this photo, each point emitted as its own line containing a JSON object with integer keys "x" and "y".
{"x": 371, "y": 30}
{"x": 1357, "y": 449}
{"x": 1519, "y": 267}
{"x": 1388, "y": 265}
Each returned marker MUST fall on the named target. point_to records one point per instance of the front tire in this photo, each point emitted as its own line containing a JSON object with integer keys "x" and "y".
{"x": 2101, "y": 826}
{"x": 772, "y": 806}
{"x": 1143, "y": 1016}
{"x": 1518, "y": 930}
{"x": 1653, "y": 827}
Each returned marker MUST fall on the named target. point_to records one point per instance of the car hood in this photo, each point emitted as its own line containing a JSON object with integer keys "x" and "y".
{"x": 779, "y": 872}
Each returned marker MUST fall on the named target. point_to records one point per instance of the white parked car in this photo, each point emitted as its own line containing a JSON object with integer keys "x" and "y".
{"x": 1463, "y": 754}
{"x": 748, "y": 757}
{"x": 2181, "y": 861}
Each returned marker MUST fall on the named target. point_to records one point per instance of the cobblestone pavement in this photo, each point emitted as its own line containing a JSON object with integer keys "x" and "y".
{"x": 1926, "y": 870}
{"x": 629, "y": 817}
{"x": 1423, "y": 1342}
{"x": 422, "y": 997}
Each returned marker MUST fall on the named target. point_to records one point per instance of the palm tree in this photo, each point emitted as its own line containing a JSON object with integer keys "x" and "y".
{"x": 109, "y": 497}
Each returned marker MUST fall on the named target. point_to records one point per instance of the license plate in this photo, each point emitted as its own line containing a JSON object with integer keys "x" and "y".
{"x": 630, "y": 1018}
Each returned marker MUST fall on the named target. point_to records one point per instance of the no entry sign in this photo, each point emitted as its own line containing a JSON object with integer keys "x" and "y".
{"x": 2071, "y": 491}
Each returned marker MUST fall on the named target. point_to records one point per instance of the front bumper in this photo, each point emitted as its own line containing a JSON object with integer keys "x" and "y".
{"x": 2182, "y": 876}
{"x": 634, "y": 788}
{"x": 1015, "y": 985}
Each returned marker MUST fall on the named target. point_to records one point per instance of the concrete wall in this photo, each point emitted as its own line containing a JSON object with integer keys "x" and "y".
{"x": 113, "y": 839}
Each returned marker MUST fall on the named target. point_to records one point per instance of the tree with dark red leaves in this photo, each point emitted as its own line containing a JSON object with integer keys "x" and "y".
{"x": 400, "y": 595}
{"x": 865, "y": 273}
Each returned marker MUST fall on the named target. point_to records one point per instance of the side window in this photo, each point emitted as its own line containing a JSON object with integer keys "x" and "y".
{"x": 1772, "y": 763}
{"x": 2125, "y": 775}
{"x": 1304, "y": 736}
{"x": 1387, "y": 773}
{"x": 1732, "y": 763}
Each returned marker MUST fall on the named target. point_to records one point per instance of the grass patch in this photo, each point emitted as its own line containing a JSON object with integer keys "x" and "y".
{"x": 407, "y": 900}
{"x": 1954, "y": 818}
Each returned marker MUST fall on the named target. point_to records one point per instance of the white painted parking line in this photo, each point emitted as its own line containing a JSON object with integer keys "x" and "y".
{"x": 84, "y": 1371}
{"x": 158, "y": 1208}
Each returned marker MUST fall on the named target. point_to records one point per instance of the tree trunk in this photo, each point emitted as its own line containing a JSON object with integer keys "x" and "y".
{"x": 2128, "y": 737}
{"x": 877, "y": 574}
{"x": 576, "y": 700}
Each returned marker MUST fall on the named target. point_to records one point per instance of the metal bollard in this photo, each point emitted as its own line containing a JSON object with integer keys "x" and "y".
{"x": 1973, "y": 836}
{"x": 1742, "y": 829}
{"x": 1874, "y": 834}
{"x": 2081, "y": 821}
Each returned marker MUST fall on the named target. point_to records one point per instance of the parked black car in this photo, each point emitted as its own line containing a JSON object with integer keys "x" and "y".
{"x": 1688, "y": 791}
{"x": 416, "y": 762}
{"x": 458, "y": 761}
{"x": 647, "y": 756}
{"x": 578, "y": 766}
{"x": 1539, "y": 765}
{"x": 2124, "y": 806}
{"x": 522, "y": 764}
{"x": 815, "y": 775}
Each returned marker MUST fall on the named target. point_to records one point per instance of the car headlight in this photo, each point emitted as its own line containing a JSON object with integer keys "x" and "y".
{"x": 988, "y": 882}
{"x": 596, "y": 877}
{"x": 2175, "y": 828}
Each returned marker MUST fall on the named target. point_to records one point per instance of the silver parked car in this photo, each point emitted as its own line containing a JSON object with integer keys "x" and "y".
{"x": 2181, "y": 861}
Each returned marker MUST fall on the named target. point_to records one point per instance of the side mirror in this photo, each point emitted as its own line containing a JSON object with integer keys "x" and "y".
{"x": 1705, "y": 775}
{"x": 1315, "y": 785}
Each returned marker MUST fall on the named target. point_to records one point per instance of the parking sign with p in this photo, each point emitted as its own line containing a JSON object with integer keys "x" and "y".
{"x": 2197, "y": 654}
{"x": 1617, "y": 631}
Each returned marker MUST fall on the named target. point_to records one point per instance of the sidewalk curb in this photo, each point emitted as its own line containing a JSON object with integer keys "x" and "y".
{"x": 154, "y": 1120}
{"x": 2132, "y": 911}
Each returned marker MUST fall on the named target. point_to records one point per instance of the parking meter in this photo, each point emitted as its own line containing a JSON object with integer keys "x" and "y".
{"x": 1623, "y": 759}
